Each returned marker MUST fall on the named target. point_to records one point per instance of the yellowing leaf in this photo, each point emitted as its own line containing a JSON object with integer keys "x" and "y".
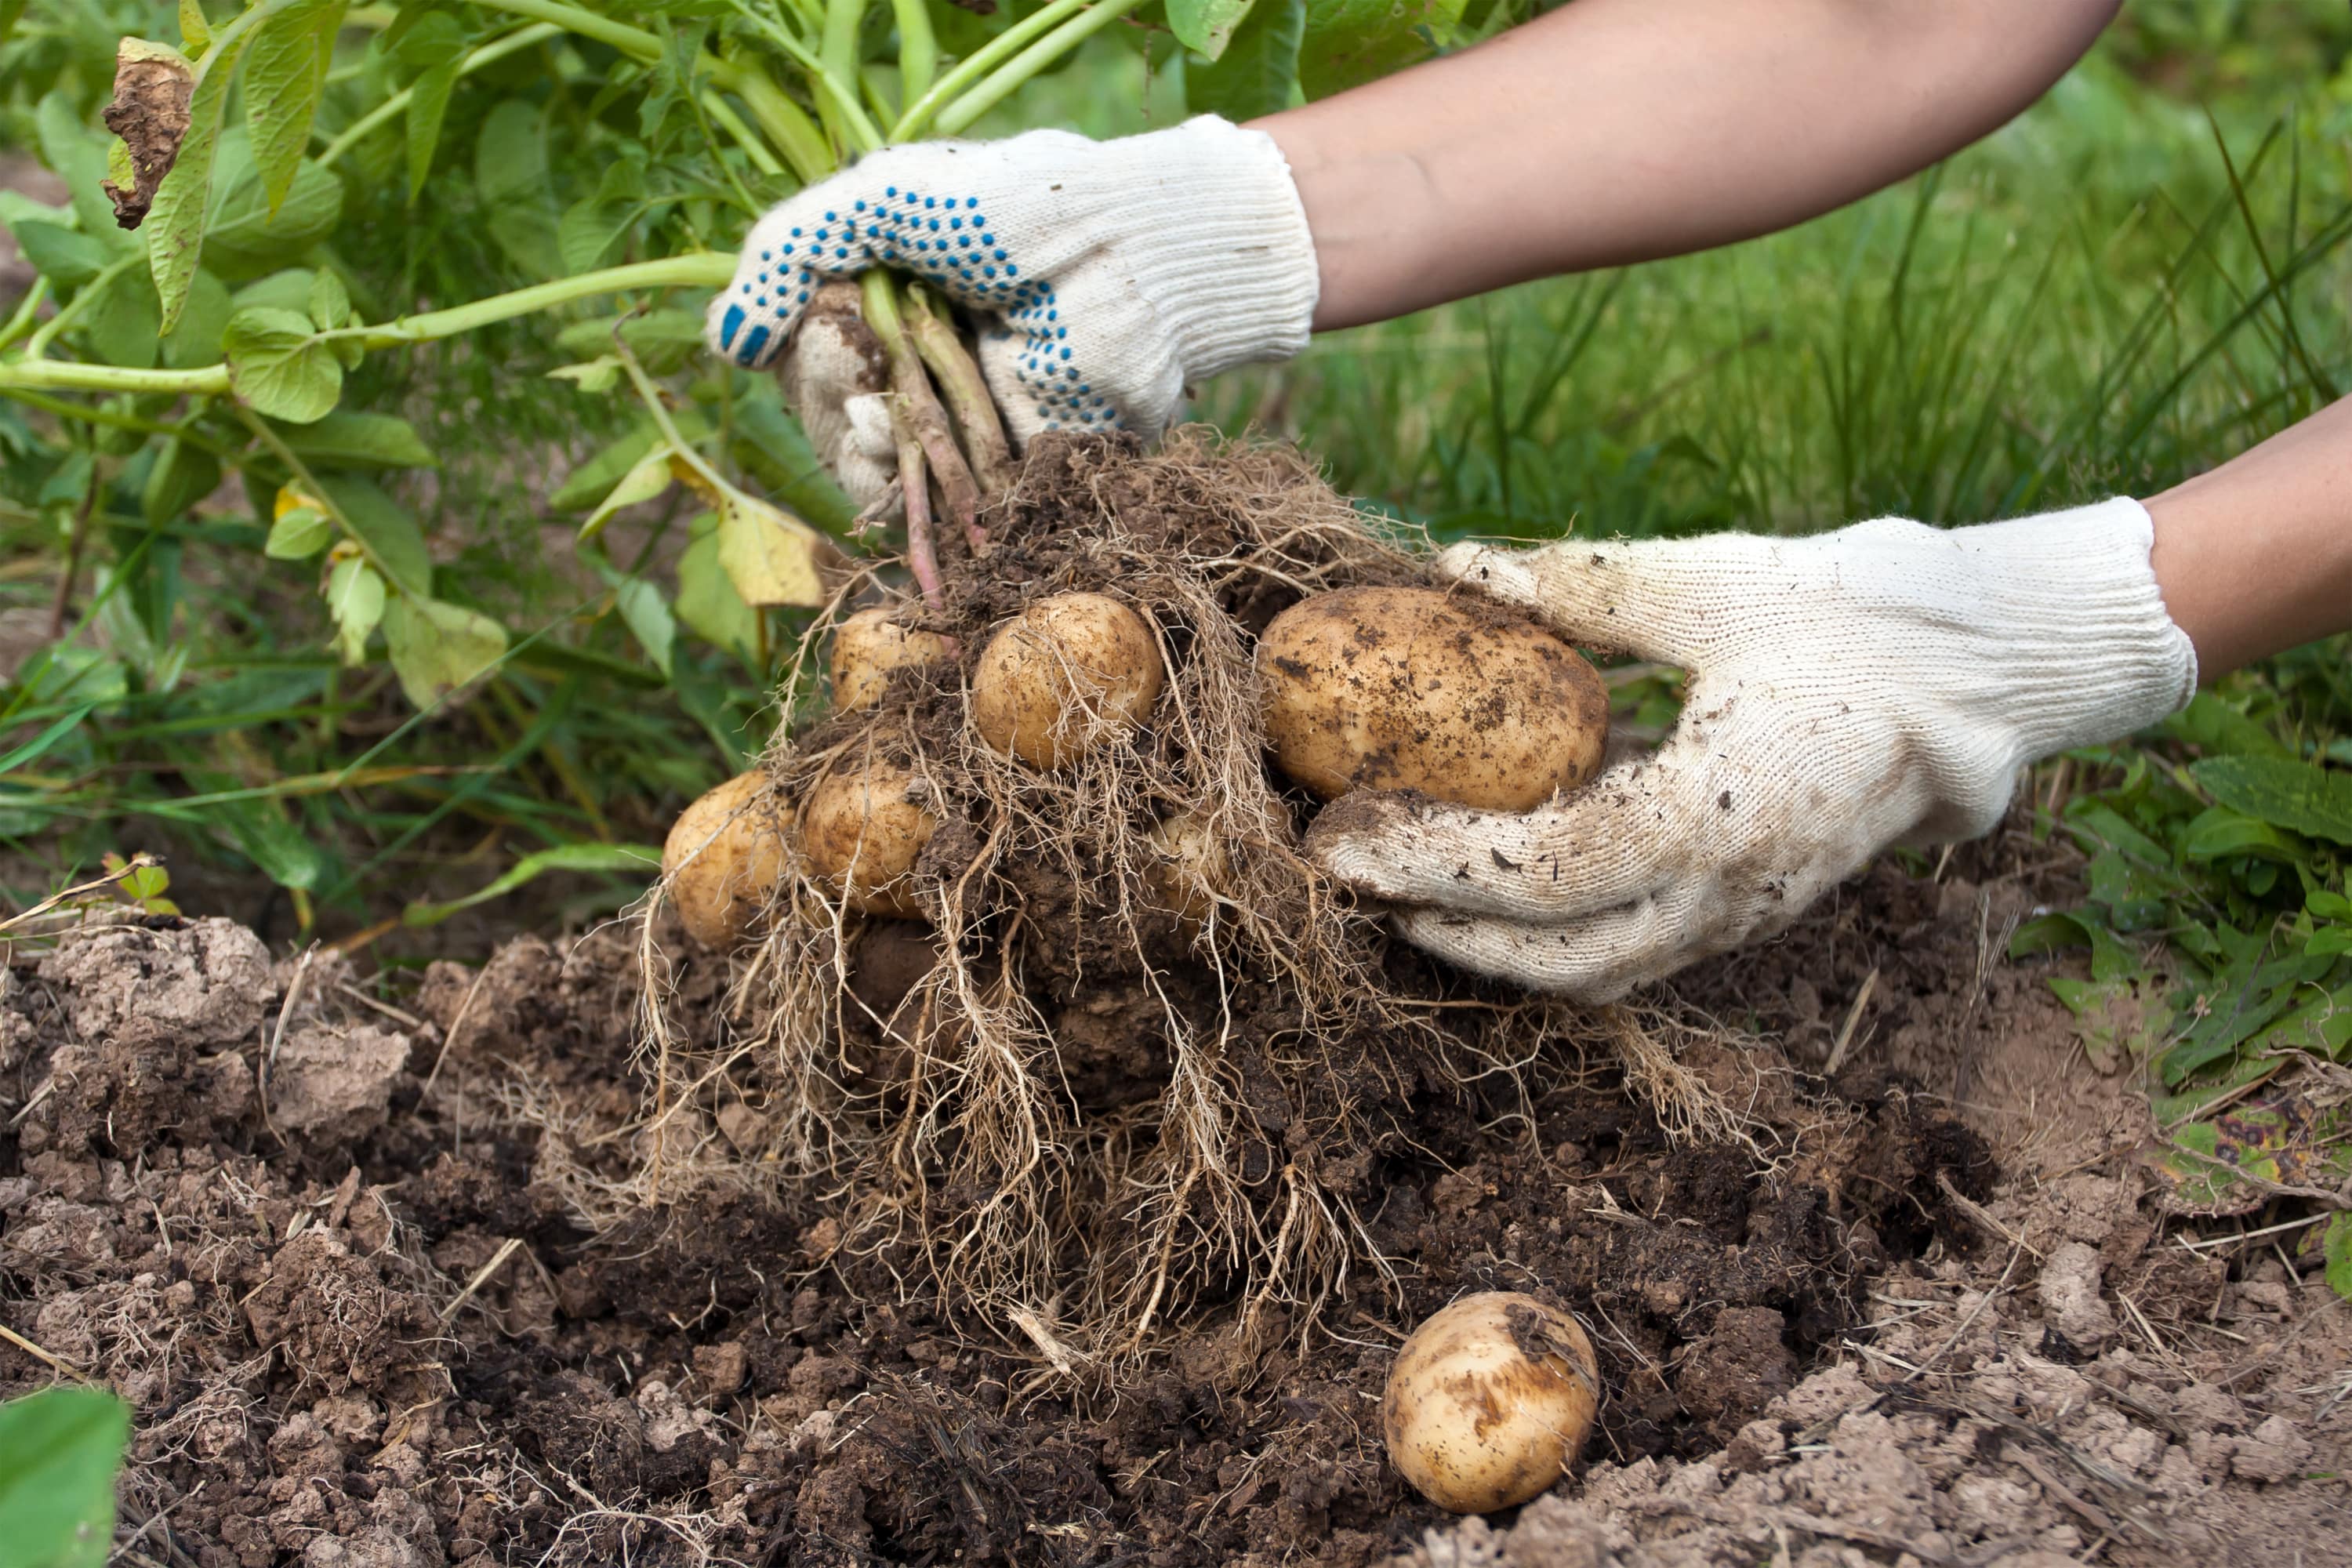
{"x": 649, "y": 478}
{"x": 355, "y": 598}
{"x": 772, "y": 557}
{"x": 289, "y": 498}
{"x": 438, "y": 649}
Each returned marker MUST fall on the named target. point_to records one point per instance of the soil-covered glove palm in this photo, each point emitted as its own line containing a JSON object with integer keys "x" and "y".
{"x": 1108, "y": 274}
{"x": 1875, "y": 685}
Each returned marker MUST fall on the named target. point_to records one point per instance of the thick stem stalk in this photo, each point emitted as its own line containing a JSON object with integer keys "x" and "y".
{"x": 696, "y": 270}
{"x": 916, "y": 116}
{"x": 965, "y": 391}
{"x": 211, "y": 381}
{"x": 922, "y": 549}
{"x": 958, "y": 489}
{"x": 918, "y": 49}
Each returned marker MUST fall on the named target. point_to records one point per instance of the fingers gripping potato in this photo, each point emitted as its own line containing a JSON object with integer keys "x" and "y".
{"x": 1413, "y": 689}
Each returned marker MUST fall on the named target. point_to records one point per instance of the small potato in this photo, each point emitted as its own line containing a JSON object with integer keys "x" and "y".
{"x": 1489, "y": 1400}
{"x": 861, "y": 835}
{"x": 1192, "y": 868}
{"x": 725, "y": 854}
{"x": 1414, "y": 689}
{"x": 868, "y": 647}
{"x": 1067, "y": 674}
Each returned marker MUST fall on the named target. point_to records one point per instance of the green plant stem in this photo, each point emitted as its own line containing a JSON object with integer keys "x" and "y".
{"x": 84, "y": 411}
{"x": 1008, "y": 79}
{"x": 634, "y": 42}
{"x": 29, "y": 310}
{"x": 918, "y": 49}
{"x": 208, "y": 381}
{"x": 919, "y": 115}
{"x": 724, "y": 115}
{"x": 840, "y": 92}
{"x": 785, "y": 122}
{"x": 71, "y": 311}
{"x": 843, "y": 19}
{"x": 698, "y": 269}
{"x": 392, "y": 107}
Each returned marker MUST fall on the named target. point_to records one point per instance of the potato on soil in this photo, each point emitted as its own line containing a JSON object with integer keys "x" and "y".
{"x": 1066, "y": 674}
{"x": 726, "y": 854}
{"x": 861, "y": 833}
{"x": 871, "y": 645}
{"x": 1489, "y": 1400}
{"x": 1414, "y": 689}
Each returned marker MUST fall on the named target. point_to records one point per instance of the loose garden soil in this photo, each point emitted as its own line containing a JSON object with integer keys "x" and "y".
{"x": 318, "y": 1234}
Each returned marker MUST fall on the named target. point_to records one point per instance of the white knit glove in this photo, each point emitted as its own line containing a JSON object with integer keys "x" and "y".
{"x": 1878, "y": 685}
{"x": 1109, "y": 273}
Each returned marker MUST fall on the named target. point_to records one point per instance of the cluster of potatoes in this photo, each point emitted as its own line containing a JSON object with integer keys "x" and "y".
{"x": 1490, "y": 1399}
{"x": 1380, "y": 688}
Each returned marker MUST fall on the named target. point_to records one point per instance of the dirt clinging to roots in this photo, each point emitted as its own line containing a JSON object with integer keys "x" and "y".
{"x": 1099, "y": 1082}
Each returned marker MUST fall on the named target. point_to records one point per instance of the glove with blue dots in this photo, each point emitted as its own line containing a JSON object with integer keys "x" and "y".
{"x": 1106, "y": 275}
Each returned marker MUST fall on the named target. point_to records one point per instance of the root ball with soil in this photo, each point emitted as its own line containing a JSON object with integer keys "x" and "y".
{"x": 1145, "y": 1054}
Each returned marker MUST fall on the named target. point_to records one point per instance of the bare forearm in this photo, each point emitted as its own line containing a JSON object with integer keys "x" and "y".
{"x": 1620, "y": 130}
{"x": 2257, "y": 556}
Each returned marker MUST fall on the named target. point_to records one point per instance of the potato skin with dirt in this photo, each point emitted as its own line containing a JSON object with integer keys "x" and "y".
{"x": 725, "y": 854}
{"x": 861, "y": 835}
{"x": 1415, "y": 689}
{"x": 868, "y": 647}
{"x": 1046, "y": 670}
{"x": 1489, "y": 1400}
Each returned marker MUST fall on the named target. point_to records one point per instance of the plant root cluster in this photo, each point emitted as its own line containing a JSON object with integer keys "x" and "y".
{"x": 1103, "y": 1080}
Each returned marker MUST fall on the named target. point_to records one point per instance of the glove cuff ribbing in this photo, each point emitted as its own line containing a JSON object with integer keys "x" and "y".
{"x": 2097, "y": 656}
{"x": 1223, "y": 249}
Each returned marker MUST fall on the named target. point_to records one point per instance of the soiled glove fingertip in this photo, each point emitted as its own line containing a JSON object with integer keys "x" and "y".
{"x": 1361, "y": 835}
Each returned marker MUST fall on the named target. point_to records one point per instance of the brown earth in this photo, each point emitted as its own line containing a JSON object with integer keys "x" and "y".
{"x": 331, "y": 1245}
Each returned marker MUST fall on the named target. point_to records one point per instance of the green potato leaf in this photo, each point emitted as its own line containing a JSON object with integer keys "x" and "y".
{"x": 59, "y": 1450}
{"x": 66, "y": 257}
{"x": 1350, "y": 42}
{"x": 125, "y": 326}
{"x": 390, "y": 532}
{"x": 429, "y": 106}
{"x": 1205, "y": 27}
{"x": 204, "y": 320}
{"x": 1259, "y": 68}
{"x": 299, "y": 535}
{"x": 285, "y": 74}
{"x": 346, "y": 439}
{"x": 175, "y": 225}
{"x": 278, "y": 366}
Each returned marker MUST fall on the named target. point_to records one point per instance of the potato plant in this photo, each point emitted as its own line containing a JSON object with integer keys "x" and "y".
{"x": 336, "y": 299}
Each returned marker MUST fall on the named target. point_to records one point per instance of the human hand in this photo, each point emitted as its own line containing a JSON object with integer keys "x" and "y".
{"x": 1107, "y": 274}
{"x": 1875, "y": 685}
